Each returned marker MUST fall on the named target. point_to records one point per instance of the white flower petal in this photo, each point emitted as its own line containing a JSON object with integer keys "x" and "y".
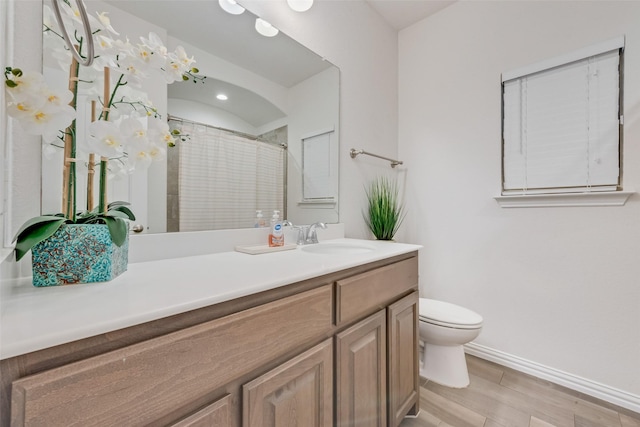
{"x": 105, "y": 139}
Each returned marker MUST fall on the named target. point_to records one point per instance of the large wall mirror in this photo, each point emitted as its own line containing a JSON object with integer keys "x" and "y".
{"x": 271, "y": 144}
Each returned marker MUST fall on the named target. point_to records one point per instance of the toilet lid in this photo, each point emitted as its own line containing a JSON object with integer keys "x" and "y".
{"x": 447, "y": 314}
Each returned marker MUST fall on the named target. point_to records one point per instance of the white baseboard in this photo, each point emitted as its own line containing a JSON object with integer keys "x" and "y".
{"x": 573, "y": 382}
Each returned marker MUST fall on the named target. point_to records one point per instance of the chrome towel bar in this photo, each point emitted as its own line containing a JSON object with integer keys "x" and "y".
{"x": 355, "y": 153}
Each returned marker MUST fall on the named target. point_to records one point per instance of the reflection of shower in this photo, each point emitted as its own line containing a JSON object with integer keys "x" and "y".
{"x": 218, "y": 178}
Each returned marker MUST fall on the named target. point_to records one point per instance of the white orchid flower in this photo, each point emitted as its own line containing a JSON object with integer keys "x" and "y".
{"x": 156, "y": 45}
{"x": 133, "y": 68}
{"x": 173, "y": 70}
{"x": 183, "y": 58}
{"x": 37, "y": 116}
{"x": 58, "y": 98}
{"x": 134, "y": 132}
{"x": 106, "y": 52}
{"x": 157, "y": 152}
{"x": 124, "y": 47}
{"x": 140, "y": 157}
{"x": 160, "y": 134}
{"x": 149, "y": 57}
{"x": 29, "y": 83}
{"x": 105, "y": 139}
{"x": 105, "y": 23}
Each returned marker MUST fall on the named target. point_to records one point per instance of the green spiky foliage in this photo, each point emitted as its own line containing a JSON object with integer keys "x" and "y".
{"x": 385, "y": 213}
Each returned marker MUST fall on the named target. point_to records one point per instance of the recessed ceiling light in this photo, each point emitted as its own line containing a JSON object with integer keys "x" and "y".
{"x": 222, "y": 97}
{"x": 231, "y": 6}
{"x": 300, "y": 5}
{"x": 266, "y": 29}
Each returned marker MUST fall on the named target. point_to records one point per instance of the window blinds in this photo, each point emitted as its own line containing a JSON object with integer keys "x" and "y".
{"x": 224, "y": 178}
{"x": 561, "y": 127}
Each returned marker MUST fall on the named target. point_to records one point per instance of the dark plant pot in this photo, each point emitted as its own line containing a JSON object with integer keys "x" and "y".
{"x": 78, "y": 253}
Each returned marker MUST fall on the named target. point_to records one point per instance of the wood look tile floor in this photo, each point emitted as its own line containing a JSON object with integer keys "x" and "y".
{"x": 503, "y": 397}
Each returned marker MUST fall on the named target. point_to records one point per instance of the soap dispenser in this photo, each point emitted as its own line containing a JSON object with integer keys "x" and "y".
{"x": 260, "y": 221}
{"x": 276, "y": 234}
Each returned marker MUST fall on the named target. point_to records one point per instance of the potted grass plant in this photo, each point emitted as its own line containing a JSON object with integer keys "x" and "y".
{"x": 384, "y": 213}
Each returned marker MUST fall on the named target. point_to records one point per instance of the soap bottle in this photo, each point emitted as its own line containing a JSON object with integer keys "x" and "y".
{"x": 260, "y": 221}
{"x": 276, "y": 234}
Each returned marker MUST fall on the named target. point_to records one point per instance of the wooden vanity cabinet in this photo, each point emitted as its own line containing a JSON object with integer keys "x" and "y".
{"x": 340, "y": 349}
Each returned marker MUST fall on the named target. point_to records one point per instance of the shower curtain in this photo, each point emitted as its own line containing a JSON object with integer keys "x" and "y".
{"x": 225, "y": 177}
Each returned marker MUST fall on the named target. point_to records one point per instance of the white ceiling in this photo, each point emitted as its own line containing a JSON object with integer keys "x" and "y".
{"x": 403, "y": 13}
{"x": 202, "y": 23}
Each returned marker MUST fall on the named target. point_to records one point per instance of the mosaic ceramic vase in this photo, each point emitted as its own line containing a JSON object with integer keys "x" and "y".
{"x": 78, "y": 253}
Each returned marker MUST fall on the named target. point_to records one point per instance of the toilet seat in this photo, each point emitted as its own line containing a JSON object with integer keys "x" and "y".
{"x": 448, "y": 315}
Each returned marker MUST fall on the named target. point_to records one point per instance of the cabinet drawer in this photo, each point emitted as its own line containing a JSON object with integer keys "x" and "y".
{"x": 367, "y": 292}
{"x": 144, "y": 382}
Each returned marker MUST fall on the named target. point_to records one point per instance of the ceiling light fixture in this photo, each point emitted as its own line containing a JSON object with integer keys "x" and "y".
{"x": 266, "y": 29}
{"x": 231, "y": 6}
{"x": 222, "y": 97}
{"x": 300, "y": 5}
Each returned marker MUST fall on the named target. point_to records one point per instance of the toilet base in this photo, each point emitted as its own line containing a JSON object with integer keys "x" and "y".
{"x": 445, "y": 365}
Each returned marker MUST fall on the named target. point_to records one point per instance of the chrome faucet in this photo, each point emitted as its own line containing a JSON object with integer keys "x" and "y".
{"x": 307, "y": 234}
{"x": 312, "y": 234}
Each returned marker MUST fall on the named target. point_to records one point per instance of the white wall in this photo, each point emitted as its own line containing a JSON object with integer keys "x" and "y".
{"x": 306, "y": 119}
{"x": 556, "y": 286}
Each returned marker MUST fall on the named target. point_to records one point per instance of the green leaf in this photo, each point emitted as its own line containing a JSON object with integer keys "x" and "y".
{"x": 35, "y": 231}
{"x": 126, "y": 211}
{"x": 116, "y": 214}
{"x": 11, "y": 83}
{"x": 117, "y": 203}
{"x": 16, "y": 72}
{"x": 35, "y": 221}
{"x": 117, "y": 229}
{"x": 86, "y": 216}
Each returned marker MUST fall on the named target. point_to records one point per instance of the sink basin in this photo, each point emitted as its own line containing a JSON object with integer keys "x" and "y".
{"x": 337, "y": 248}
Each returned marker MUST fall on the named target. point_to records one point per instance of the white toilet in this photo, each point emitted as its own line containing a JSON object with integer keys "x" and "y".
{"x": 444, "y": 328}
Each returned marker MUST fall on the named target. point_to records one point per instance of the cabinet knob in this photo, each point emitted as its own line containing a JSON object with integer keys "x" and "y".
{"x": 137, "y": 228}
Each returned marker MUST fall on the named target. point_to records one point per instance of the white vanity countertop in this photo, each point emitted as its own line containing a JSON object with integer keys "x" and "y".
{"x": 36, "y": 318}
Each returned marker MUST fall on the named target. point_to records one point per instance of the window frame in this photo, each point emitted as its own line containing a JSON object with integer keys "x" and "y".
{"x": 558, "y": 196}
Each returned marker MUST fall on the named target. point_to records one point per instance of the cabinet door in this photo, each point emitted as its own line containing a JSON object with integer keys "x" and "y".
{"x": 215, "y": 415}
{"x": 361, "y": 374}
{"x": 298, "y": 393}
{"x": 404, "y": 386}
